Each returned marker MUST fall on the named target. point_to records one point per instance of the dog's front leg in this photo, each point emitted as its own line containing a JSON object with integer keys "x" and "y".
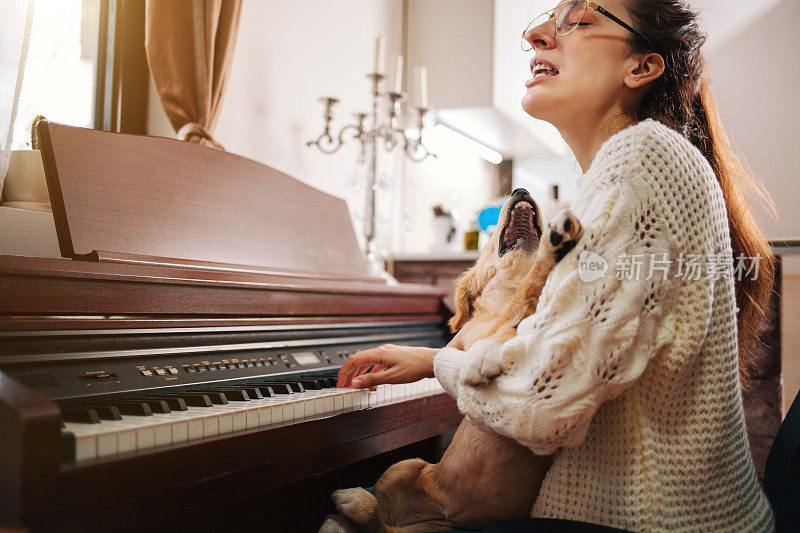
{"x": 485, "y": 363}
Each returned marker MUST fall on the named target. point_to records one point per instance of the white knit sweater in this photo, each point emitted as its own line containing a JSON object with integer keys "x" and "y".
{"x": 632, "y": 382}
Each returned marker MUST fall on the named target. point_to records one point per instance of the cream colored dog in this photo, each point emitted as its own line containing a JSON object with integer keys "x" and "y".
{"x": 483, "y": 478}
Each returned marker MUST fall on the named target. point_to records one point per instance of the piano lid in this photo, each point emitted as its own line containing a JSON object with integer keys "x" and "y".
{"x": 149, "y": 196}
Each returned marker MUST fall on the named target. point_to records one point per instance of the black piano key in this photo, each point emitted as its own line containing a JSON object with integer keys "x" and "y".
{"x": 194, "y": 399}
{"x": 330, "y": 383}
{"x": 265, "y": 390}
{"x": 253, "y": 392}
{"x": 80, "y": 415}
{"x": 278, "y": 388}
{"x": 216, "y": 397}
{"x": 236, "y": 395}
{"x": 131, "y": 408}
{"x": 295, "y": 385}
{"x": 67, "y": 446}
{"x": 176, "y": 404}
{"x": 157, "y": 406}
{"x": 311, "y": 384}
{"x": 105, "y": 411}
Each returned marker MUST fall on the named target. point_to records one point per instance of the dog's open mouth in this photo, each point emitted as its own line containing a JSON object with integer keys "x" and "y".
{"x": 522, "y": 230}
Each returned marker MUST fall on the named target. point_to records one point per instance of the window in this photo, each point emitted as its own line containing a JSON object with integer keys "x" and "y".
{"x": 60, "y": 71}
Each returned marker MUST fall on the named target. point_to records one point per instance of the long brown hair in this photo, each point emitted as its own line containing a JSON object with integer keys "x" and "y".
{"x": 680, "y": 98}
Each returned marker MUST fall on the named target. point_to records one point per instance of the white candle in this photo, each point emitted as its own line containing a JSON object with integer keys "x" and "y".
{"x": 379, "y": 53}
{"x": 422, "y": 87}
{"x": 398, "y": 75}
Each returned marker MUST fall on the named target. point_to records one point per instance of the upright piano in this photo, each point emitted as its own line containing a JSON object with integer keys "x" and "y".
{"x": 180, "y": 360}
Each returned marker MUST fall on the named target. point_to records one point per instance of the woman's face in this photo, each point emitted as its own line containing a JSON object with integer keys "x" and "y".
{"x": 591, "y": 62}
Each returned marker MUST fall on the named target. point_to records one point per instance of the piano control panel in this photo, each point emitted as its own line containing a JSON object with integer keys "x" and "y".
{"x": 98, "y": 376}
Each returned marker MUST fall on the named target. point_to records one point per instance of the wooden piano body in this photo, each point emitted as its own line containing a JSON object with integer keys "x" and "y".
{"x": 185, "y": 267}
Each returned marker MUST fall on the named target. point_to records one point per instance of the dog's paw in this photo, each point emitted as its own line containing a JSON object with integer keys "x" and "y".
{"x": 482, "y": 363}
{"x": 337, "y": 523}
{"x": 360, "y": 507}
{"x": 563, "y": 233}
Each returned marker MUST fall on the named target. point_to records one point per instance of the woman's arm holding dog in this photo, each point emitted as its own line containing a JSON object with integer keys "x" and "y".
{"x": 592, "y": 336}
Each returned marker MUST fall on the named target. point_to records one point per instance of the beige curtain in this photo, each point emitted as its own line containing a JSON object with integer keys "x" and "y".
{"x": 189, "y": 49}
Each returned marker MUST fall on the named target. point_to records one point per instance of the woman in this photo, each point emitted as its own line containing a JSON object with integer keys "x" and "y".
{"x": 628, "y": 375}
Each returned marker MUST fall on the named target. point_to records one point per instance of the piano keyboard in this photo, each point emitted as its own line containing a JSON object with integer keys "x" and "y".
{"x": 103, "y": 428}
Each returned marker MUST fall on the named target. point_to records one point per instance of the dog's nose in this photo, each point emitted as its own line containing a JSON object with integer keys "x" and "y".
{"x": 520, "y": 192}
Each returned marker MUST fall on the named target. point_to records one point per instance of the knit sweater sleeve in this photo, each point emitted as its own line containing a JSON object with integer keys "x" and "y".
{"x": 603, "y": 315}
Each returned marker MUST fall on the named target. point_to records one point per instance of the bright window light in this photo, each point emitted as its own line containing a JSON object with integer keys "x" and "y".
{"x": 442, "y": 139}
{"x": 60, "y": 69}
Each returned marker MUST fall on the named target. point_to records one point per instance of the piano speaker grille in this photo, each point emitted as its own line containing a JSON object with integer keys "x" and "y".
{"x": 38, "y": 380}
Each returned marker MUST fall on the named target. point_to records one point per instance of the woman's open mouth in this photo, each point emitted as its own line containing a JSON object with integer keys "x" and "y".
{"x": 521, "y": 230}
{"x": 541, "y": 70}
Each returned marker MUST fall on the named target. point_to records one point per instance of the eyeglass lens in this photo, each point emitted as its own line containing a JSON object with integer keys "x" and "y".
{"x": 568, "y": 16}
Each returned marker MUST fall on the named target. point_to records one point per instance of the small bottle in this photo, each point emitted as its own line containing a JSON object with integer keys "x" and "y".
{"x": 471, "y": 237}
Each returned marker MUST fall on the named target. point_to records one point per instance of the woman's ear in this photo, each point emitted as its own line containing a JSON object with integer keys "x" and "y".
{"x": 646, "y": 68}
{"x": 466, "y": 292}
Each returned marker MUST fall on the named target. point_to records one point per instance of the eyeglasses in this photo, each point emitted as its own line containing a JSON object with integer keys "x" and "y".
{"x": 568, "y": 16}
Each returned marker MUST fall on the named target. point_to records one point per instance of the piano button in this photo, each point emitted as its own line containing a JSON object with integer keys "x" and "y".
{"x": 81, "y": 416}
{"x": 211, "y": 368}
{"x": 172, "y": 370}
{"x": 201, "y": 368}
{"x": 160, "y": 371}
{"x": 197, "y": 399}
{"x": 146, "y": 372}
{"x": 222, "y": 367}
{"x": 190, "y": 369}
{"x": 105, "y": 411}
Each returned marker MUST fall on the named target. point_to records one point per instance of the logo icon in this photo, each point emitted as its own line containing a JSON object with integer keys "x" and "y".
{"x": 591, "y": 266}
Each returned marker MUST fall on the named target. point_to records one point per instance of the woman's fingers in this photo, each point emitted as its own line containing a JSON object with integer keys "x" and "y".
{"x": 372, "y": 379}
{"x": 358, "y": 363}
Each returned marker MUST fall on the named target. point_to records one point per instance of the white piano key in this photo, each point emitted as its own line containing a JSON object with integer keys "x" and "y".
{"x": 133, "y": 433}
{"x": 85, "y": 440}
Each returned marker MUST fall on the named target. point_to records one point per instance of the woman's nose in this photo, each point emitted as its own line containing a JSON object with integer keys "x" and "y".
{"x": 541, "y": 36}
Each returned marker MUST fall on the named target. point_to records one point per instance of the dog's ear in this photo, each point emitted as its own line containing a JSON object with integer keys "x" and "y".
{"x": 464, "y": 296}
{"x": 470, "y": 285}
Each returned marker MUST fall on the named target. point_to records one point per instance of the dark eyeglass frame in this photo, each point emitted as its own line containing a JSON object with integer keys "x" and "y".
{"x": 586, "y": 4}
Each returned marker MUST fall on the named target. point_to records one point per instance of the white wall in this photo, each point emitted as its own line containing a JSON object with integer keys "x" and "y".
{"x": 755, "y": 77}
{"x": 453, "y": 39}
{"x": 288, "y": 55}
